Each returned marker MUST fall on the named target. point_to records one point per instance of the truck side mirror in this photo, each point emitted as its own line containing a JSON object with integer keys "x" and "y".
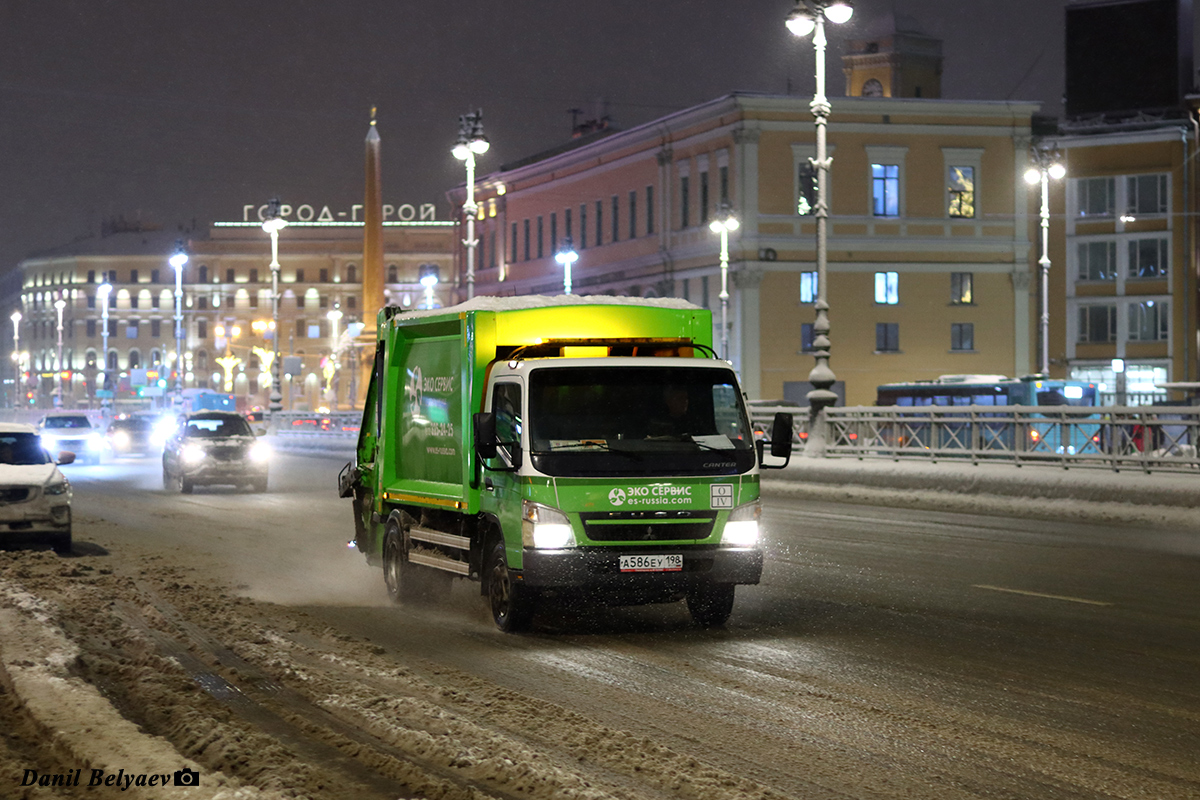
{"x": 781, "y": 435}
{"x": 485, "y": 434}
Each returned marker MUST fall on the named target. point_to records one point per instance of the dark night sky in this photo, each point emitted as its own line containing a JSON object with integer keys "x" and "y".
{"x": 177, "y": 110}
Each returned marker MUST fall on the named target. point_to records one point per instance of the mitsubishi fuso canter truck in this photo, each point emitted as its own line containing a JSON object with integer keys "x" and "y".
{"x": 583, "y": 449}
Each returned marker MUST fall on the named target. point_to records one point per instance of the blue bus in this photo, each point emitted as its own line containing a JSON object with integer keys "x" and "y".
{"x": 1066, "y": 435}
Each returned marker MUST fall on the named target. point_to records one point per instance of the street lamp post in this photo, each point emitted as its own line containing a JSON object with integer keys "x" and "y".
{"x": 16, "y": 357}
{"x": 273, "y": 224}
{"x": 471, "y": 142}
{"x": 809, "y": 17}
{"x": 724, "y": 223}
{"x": 103, "y": 291}
{"x": 334, "y": 315}
{"x": 59, "y": 305}
{"x": 1047, "y": 164}
{"x": 178, "y": 259}
{"x": 566, "y": 256}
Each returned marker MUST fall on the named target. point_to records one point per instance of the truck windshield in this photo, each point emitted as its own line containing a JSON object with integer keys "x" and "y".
{"x": 638, "y": 421}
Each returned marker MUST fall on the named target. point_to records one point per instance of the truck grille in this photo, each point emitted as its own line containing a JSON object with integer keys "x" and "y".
{"x": 13, "y": 495}
{"x": 647, "y": 526}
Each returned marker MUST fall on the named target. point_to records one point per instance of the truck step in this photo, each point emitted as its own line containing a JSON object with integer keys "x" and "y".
{"x": 440, "y": 562}
{"x": 439, "y": 538}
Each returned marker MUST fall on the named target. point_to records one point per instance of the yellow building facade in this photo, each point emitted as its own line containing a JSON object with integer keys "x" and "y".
{"x": 930, "y": 259}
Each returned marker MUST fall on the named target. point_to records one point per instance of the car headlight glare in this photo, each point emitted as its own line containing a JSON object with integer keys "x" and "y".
{"x": 192, "y": 454}
{"x": 121, "y": 439}
{"x": 545, "y": 528}
{"x": 741, "y": 530}
{"x": 259, "y": 452}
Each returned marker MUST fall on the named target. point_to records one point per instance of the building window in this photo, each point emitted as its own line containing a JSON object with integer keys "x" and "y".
{"x": 314, "y": 330}
{"x": 1097, "y": 323}
{"x": 91, "y": 276}
{"x": 351, "y": 302}
{"x": 91, "y": 327}
{"x": 887, "y": 337}
{"x": 324, "y": 275}
{"x": 133, "y": 276}
{"x": 133, "y": 301}
{"x": 351, "y": 273}
{"x": 91, "y": 301}
{"x": 131, "y": 329}
{"x": 526, "y": 226}
{"x": 323, "y": 301}
{"x": 155, "y": 300}
{"x": 1148, "y": 258}
{"x": 392, "y": 274}
{"x": 649, "y": 210}
{"x": 253, "y": 299}
{"x": 633, "y": 215}
{"x": 583, "y": 226}
{"x": 616, "y": 211}
{"x": 491, "y": 247}
{"x": 1095, "y": 196}
{"x": 962, "y": 288}
{"x": 112, "y": 328}
{"x": 202, "y": 303}
{"x": 885, "y": 190}
{"x": 230, "y": 275}
{"x": 1097, "y": 261}
{"x": 684, "y": 220}
{"x": 202, "y": 274}
{"x": 961, "y": 189}
{"x": 723, "y": 172}
{"x": 300, "y": 275}
{"x": 254, "y": 274}
{"x": 1146, "y": 194}
{"x": 1148, "y": 321}
{"x": 299, "y": 300}
{"x": 704, "y": 291}
{"x": 806, "y": 338}
{"x": 599, "y": 223}
{"x": 962, "y": 336}
{"x": 887, "y": 288}
{"x": 155, "y": 328}
{"x": 703, "y": 198}
{"x": 513, "y": 245}
{"x": 806, "y": 190}
{"x": 540, "y": 235}
{"x": 301, "y": 329}
{"x": 567, "y": 222}
{"x": 553, "y": 232}
{"x": 154, "y": 276}
{"x": 808, "y": 287}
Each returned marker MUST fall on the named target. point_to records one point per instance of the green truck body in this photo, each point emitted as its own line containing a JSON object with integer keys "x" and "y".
{"x": 556, "y": 448}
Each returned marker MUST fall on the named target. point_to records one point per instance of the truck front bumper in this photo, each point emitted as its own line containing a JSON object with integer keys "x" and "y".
{"x": 599, "y": 568}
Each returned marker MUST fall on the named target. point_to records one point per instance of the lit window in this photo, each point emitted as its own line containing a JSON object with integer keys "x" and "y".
{"x": 962, "y": 192}
{"x": 962, "y": 288}
{"x": 887, "y": 288}
{"x": 1148, "y": 258}
{"x": 885, "y": 190}
{"x": 806, "y": 190}
{"x": 808, "y": 287}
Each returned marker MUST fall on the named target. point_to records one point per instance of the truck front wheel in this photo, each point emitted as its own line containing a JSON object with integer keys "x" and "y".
{"x": 395, "y": 565}
{"x": 710, "y": 604}
{"x": 512, "y": 604}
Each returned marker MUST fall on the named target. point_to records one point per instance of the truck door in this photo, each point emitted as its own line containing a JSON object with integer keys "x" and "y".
{"x": 502, "y": 494}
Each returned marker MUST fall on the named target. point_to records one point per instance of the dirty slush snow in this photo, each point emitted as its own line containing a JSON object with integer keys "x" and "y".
{"x": 141, "y": 666}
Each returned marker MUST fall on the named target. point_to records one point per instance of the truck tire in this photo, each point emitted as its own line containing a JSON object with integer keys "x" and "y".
{"x": 396, "y": 570}
{"x": 710, "y": 604}
{"x": 512, "y": 604}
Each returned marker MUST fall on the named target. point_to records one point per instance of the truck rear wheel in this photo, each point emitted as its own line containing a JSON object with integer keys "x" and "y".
{"x": 511, "y": 603}
{"x": 710, "y": 604}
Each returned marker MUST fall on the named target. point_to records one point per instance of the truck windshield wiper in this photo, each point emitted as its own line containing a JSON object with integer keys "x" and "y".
{"x": 589, "y": 444}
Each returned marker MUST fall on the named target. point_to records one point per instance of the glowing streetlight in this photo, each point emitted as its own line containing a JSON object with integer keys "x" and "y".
{"x": 273, "y": 224}
{"x": 724, "y": 223}
{"x": 429, "y": 279}
{"x": 809, "y": 17}
{"x": 103, "y": 291}
{"x": 566, "y": 256}
{"x": 471, "y": 142}
{"x": 1047, "y": 164}
{"x": 177, "y": 261}
{"x": 335, "y": 354}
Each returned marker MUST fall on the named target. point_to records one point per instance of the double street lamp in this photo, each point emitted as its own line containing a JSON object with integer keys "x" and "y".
{"x": 178, "y": 260}
{"x": 59, "y": 305}
{"x": 273, "y": 224}
{"x": 335, "y": 355}
{"x": 566, "y": 256}
{"x": 809, "y": 17}
{"x": 1046, "y": 164}
{"x": 471, "y": 142}
{"x": 724, "y": 223}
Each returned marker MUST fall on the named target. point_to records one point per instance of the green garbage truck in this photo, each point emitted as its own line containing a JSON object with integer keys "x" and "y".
{"x": 559, "y": 449}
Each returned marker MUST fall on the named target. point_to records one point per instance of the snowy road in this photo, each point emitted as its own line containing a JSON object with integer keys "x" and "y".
{"x": 888, "y": 653}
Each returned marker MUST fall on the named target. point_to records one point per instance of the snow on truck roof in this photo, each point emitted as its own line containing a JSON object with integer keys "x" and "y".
{"x": 489, "y": 303}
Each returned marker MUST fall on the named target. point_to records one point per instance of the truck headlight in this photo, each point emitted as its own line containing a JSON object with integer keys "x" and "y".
{"x": 544, "y": 527}
{"x": 259, "y": 452}
{"x": 192, "y": 454}
{"x": 741, "y": 530}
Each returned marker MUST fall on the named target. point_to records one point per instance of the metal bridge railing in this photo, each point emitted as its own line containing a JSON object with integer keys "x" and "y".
{"x": 1158, "y": 438}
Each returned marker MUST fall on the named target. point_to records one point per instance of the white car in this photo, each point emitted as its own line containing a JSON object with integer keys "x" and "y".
{"x": 35, "y": 497}
{"x": 72, "y": 431}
